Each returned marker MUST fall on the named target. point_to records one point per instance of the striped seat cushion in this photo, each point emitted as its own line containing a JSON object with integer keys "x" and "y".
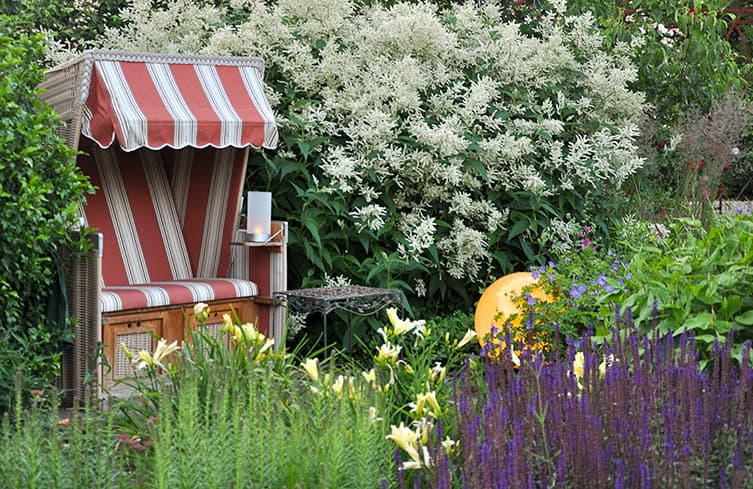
{"x": 176, "y": 292}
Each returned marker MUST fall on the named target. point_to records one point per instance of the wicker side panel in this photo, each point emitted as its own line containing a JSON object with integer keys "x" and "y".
{"x": 80, "y": 362}
{"x": 63, "y": 89}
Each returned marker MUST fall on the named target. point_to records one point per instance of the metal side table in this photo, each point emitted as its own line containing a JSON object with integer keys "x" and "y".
{"x": 356, "y": 299}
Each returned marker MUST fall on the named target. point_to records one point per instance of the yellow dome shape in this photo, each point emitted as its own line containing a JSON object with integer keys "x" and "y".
{"x": 499, "y": 298}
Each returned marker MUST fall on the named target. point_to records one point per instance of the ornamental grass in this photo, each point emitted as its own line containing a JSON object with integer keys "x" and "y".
{"x": 639, "y": 413}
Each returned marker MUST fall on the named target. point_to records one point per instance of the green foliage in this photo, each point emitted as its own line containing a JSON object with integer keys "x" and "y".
{"x": 248, "y": 432}
{"x": 39, "y": 190}
{"x": 687, "y": 278}
{"x": 580, "y": 288}
{"x": 686, "y": 69}
{"x": 244, "y": 409}
{"x": 76, "y": 25}
{"x": 698, "y": 280}
{"x": 683, "y": 59}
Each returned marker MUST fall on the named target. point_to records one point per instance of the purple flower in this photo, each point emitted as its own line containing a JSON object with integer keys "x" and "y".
{"x": 577, "y": 290}
{"x": 531, "y": 300}
{"x": 585, "y": 243}
{"x": 587, "y": 229}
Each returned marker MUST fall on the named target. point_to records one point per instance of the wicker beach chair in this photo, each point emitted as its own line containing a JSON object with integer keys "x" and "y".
{"x": 165, "y": 139}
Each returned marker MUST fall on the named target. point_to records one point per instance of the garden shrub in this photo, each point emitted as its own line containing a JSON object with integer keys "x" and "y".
{"x": 66, "y": 25}
{"x": 695, "y": 169}
{"x": 687, "y": 70}
{"x": 422, "y": 150}
{"x": 675, "y": 279}
{"x": 39, "y": 190}
{"x": 684, "y": 61}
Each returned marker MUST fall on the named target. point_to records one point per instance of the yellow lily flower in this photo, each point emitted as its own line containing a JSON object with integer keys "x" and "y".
{"x": 403, "y": 326}
{"x": 143, "y": 360}
{"x": 431, "y": 398}
{"x": 421, "y": 400}
{"x": 578, "y": 364}
{"x": 163, "y": 350}
{"x": 438, "y": 373}
{"x": 418, "y": 406}
{"x": 266, "y": 346}
{"x": 201, "y": 311}
{"x": 311, "y": 366}
{"x": 469, "y": 335}
{"x": 392, "y": 316}
{"x": 406, "y": 439}
{"x": 449, "y": 445}
{"x": 228, "y": 322}
{"x": 388, "y": 353}
{"x": 369, "y": 376}
{"x": 337, "y": 387}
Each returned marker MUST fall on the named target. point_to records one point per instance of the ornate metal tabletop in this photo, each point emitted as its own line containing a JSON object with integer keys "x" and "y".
{"x": 355, "y": 299}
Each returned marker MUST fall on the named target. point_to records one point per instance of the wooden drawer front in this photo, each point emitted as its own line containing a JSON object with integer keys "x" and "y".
{"x": 136, "y": 336}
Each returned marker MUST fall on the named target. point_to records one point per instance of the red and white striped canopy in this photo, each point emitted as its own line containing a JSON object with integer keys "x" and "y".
{"x": 153, "y": 101}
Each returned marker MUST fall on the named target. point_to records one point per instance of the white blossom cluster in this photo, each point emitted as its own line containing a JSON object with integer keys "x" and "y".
{"x": 436, "y": 112}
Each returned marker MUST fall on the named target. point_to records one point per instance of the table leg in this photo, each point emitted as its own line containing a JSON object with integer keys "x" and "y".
{"x": 326, "y": 345}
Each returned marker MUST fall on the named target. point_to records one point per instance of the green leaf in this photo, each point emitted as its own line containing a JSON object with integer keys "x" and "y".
{"x": 517, "y": 229}
{"x": 702, "y": 321}
{"x": 479, "y": 167}
{"x": 313, "y": 229}
{"x": 745, "y": 318}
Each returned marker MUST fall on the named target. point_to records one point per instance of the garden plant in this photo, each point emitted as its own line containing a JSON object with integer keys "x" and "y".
{"x": 39, "y": 190}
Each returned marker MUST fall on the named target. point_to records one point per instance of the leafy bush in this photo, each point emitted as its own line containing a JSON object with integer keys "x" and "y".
{"x": 421, "y": 150}
{"x": 649, "y": 418}
{"x": 39, "y": 190}
{"x": 66, "y": 26}
{"x": 683, "y": 59}
{"x": 692, "y": 171}
{"x": 698, "y": 280}
{"x": 687, "y": 70}
{"x": 675, "y": 279}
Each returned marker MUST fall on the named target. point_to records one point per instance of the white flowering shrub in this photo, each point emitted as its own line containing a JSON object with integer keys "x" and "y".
{"x": 428, "y": 150}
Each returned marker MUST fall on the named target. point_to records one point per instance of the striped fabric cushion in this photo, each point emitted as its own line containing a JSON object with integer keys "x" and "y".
{"x": 207, "y": 186}
{"x": 135, "y": 211}
{"x": 159, "y": 294}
